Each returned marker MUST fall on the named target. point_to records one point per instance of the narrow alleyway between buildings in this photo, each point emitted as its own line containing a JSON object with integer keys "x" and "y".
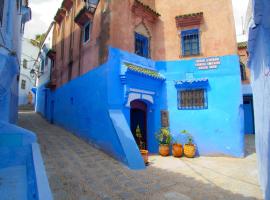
{"x": 78, "y": 171}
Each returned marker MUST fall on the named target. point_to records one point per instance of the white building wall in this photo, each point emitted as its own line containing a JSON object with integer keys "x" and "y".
{"x": 29, "y": 53}
{"x": 45, "y": 77}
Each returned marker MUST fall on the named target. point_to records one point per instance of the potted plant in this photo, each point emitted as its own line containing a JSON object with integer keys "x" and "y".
{"x": 143, "y": 150}
{"x": 164, "y": 138}
{"x": 177, "y": 149}
{"x": 189, "y": 147}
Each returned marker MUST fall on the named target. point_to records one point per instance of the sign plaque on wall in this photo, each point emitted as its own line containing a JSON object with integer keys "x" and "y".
{"x": 207, "y": 63}
{"x": 164, "y": 118}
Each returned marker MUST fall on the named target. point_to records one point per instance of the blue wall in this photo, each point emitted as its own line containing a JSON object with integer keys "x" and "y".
{"x": 85, "y": 110}
{"x": 42, "y": 96}
{"x": 92, "y": 106}
{"x": 259, "y": 49}
{"x": 19, "y": 150}
{"x": 217, "y": 129}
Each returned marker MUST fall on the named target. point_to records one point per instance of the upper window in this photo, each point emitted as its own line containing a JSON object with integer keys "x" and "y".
{"x": 190, "y": 42}
{"x": 2, "y": 3}
{"x": 141, "y": 45}
{"x": 243, "y": 72}
{"x": 192, "y": 99}
{"x": 86, "y": 32}
{"x": 19, "y": 5}
{"x": 23, "y": 84}
{"x": 46, "y": 60}
{"x": 42, "y": 65}
{"x": 24, "y": 63}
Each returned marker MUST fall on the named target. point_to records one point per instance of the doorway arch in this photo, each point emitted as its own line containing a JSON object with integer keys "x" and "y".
{"x": 138, "y": 119}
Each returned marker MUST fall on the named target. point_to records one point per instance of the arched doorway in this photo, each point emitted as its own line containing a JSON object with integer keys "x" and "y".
{"x": 138, "y": 119}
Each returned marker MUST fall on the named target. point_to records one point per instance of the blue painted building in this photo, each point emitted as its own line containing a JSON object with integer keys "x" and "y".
{"x": 45, "y": 63}
{"x": 259, "y": 62}
{"x": 141, "y": 81}
{"x": 22, "y": 172}
{"x": 13, "y": 16}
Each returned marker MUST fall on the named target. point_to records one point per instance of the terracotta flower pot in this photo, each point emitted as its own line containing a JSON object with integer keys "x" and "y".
{"x": 164, "y": 149}
{"x": 190, "y": 150}
{"x": 177, "y": 150}
{"x": 144, "y": 155}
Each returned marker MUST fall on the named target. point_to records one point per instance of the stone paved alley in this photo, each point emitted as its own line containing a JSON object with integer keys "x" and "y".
{"x": 77, "y": 171}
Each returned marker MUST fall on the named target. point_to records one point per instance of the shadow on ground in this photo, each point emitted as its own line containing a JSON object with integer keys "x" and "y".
{"x": 77, "y": 171}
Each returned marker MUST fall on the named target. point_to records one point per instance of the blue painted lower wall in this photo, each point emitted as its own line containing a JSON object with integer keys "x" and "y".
{"x": 21, "y": 162}
{"x": 260, "y": 71}
{"x": 9, "y": 70}
{"x": 92, "y": 106}
{"x": 218, "y": 129}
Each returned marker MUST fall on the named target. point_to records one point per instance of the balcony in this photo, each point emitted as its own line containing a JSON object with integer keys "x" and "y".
{"x": 144, "y": 11}
{"x": 51, "y": 54}
{"x": 87, "y": 12}
{"x": 60, "y": 15}
{"x": 67, "y": 4}
{"x": 52, "y": 84}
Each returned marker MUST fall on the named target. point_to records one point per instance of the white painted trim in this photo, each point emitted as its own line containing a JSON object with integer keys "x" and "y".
{"x": 141, "y": 91}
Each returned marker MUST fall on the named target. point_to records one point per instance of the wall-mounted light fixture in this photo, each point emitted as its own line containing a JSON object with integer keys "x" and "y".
{"x": 35, "y": 73}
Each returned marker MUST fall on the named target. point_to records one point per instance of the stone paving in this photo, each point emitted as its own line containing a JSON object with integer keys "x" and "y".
{"x": 77, "y": 171}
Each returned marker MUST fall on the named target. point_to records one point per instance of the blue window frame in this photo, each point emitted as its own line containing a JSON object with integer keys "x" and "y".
{"x": 141, "y": 45}
{"x": 86, "y": 32}
{"x": 42, "y": 65}
{"x": 243, "y": 72}
{"x": 192, "y": 99}
{"x": 190, "y": 42}
{"x": 2, "y": 3}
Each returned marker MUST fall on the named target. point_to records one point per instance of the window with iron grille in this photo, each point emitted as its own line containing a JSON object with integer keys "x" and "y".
{"x": 86, "y": 32}
{"x": 24, "y": 63}
{"x": 23, "y": 84}
{"x": 243, "y": 72}
{"x": 19, "y": 5}
{"x": 190, "y": 42}
{"x": 2, "y": 3}
{"x": 141, "y": 45}
{"x": 192, "y": 99}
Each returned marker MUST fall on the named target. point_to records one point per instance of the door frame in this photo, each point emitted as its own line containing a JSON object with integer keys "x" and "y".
{"x": 142, "y": 106}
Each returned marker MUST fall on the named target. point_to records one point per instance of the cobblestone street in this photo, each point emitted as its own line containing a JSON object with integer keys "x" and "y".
{"x": 77, "y": 171}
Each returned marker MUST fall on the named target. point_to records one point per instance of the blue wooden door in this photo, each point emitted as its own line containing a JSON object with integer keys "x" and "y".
{"x": 248, "y": 115}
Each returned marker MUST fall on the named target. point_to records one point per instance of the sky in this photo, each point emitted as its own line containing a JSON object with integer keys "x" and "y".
{"x": 43, "y": 12}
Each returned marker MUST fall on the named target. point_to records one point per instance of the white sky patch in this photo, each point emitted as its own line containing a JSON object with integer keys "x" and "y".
{"x": 240, "y": 10}
{"x": 43, "y": 12}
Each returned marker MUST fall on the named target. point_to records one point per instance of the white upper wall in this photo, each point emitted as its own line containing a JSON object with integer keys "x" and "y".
{"x": 45, "y": 63}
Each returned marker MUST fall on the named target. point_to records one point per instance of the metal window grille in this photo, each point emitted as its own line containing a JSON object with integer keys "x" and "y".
{"x": 243, "y": 72}
{"x": 2, "y": 3}
{"x": 192, "y": 99}
{"x": 190, "y": 43}
{"x": 86, "y": 33}
{"x": 24, "y": 63}
{"x": 141, "y": 45}
{"x": 23, "y": 84}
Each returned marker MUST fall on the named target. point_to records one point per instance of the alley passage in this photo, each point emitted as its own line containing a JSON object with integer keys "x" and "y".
{"x": 77, "y": 171}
